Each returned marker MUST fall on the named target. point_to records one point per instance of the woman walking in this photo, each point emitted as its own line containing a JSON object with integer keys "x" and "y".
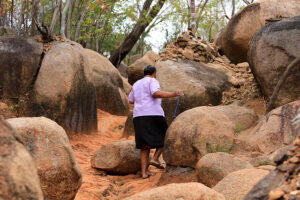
{"x": 148, "y": 118}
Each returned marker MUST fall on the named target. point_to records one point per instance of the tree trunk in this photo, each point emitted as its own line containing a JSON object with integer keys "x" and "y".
{"x": 34, "y": 14}
{"x": 200, "y": 14}
{"x": 193, "y": 17}
{"x": 97, "y": 37}
{"x": 88, "y": 38}
{"x": 12, "y": 14}
{"x": 1, "y": 14}
{"x": 70, "y": 17}
{"x": 233, "y": 8}
{"x": 22, "y": 18}
{"x": 54, "y": 17}
{"x": 63, "y": 18}
{"x": 77, "y": 30}
{"x": 279, "y": 84}
{"x": 144, "y": 20}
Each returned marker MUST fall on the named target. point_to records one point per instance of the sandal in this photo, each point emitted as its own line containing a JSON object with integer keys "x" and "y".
{"x": 157, "y": 165}
{"x": 147, "y": 176}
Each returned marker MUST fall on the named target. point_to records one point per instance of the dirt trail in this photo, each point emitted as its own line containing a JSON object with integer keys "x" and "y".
{"x": 96, "y": 184}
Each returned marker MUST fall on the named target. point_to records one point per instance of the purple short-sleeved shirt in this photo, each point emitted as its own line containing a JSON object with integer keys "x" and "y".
{"x": 141, "y": 96}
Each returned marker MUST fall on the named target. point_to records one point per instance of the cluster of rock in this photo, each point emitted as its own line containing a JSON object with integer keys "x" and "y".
{"x": 60, "y": 80}
{"x": 187, "y": 46}
{"x": 284, "y": 181}
{"x": 37, "y": 161}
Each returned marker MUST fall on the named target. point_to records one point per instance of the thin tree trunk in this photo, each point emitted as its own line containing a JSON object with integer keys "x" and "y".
{"x": 12, "y": 14}
{"x": 233, "y": 8}
{"x": 200, "y": 14}
{"x": 120, "y": 53}
{"x": 63, "y": 19}
{"x": 54, "y": 17}
{"x": 88, "y": 38}
{"x": 21, "y": 19}
{"x": 246, "y": 2}
{"x": 222, "y": 3}
{"x": 1, "y": 14}
{"x": 279, "y": 84}
{"x": 77, "y": 31}
{"x": 34, "y": 14}
{"x": 70, "y": 16}
{"x": 97, "y": 37}
{"x": 193, "y": 17}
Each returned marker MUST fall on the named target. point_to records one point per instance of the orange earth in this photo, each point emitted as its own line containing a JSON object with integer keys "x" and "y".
{"x": 96, "y": 184}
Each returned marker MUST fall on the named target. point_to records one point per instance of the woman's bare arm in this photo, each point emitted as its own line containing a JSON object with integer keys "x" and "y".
{"x": 163, "y": 95}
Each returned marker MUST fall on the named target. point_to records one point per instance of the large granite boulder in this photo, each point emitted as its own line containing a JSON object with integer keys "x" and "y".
{"x": 117, "y": 158}
{"x": 274, "y": 130}
{"x": 64, "y": 89}
{"x": 195, "y": 133}
{"x": 201, "y": 85}
{"x": 111, "y": 96}
{"x": 239, "y": 31}
{"x": 202, "y": 130}
{"x": 236, "y": 185}
{"x": 48, "y": 143}
{"x": 213, "y": 167}
{"x": 18, "y": 175}
{"x": 136, "y": 70}
{"x": 19, "y": 64}
{"x": 7, "y": 31}
{"x": 184, "y": 191}
{"x": 271, "y": 50}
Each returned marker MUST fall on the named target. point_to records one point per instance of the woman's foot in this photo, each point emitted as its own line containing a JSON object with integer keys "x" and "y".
{"x": 147, "y": 175}
{"x": 157, "y": 164}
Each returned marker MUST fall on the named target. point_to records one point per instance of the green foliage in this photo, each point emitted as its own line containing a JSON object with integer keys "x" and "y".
{"x": 219, "y": 146}
{"x": 238, "y": 129}
{"x": 266, "y": 162}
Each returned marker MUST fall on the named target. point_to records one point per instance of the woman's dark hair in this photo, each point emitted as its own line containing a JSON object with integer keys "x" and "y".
{"x": 149, "y": 70}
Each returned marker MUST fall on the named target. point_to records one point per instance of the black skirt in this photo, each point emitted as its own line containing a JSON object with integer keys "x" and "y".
{"x": 150, "y": 131}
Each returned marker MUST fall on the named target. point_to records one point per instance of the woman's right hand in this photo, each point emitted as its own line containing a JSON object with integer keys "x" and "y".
{"x": 178, "y": 92}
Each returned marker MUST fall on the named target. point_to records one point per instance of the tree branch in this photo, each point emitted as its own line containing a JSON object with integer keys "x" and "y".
{"x": 279, "y": 84}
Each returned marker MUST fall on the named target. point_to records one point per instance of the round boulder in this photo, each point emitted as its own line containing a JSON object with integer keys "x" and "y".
{"x": 184, "y": 191}
{"x": 239, "y": 31}
{"x": 196, "y": 132}
{"x": 117, "y": 158}
{"x": 271, "y": 50}
{"x": 64, "y": 89}
{"x": 136, "y": 70}
{"x": 18, "y": 175}
{"x": 19, "y": 61}
{"x": 111, "y": 96}
{"x": 48, "y": 143}
{"x": 274, "y": 130}
{"x": 201, "y": 85}
{"x": 213, "y": 167}
{"x": 236, "y": 185}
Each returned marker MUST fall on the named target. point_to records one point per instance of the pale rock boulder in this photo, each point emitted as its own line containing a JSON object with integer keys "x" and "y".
{"x": 129, "y": 127}
{"x": 213, "y": 167}
{"x": 271, "y": 50}
{"x": 127, "y": 86}
{"x": 19, "y": 61}
{"x": 56, "y": 165}
{"x": 236, "y": 185}
{"x": 18, "y": 175}
{"x": 274, "y": 130}
{"x": 117, "y": 158}
{"x": 241, "y": 116}
{"x": 182, "y": 191}
{"x": 7, "y": 31}
{"x": 196, "y": 132}
{"x": 200, "y": 84}
{"x": 136, "y": 70}
{"x": 64, "y": 89}
{"x": 111, "y": 96}
{"x": 235, "y": 38}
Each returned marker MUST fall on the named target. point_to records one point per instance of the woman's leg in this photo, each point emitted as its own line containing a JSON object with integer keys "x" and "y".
{"x": 157, "y": 154}
{"x": 144, "y": 161}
